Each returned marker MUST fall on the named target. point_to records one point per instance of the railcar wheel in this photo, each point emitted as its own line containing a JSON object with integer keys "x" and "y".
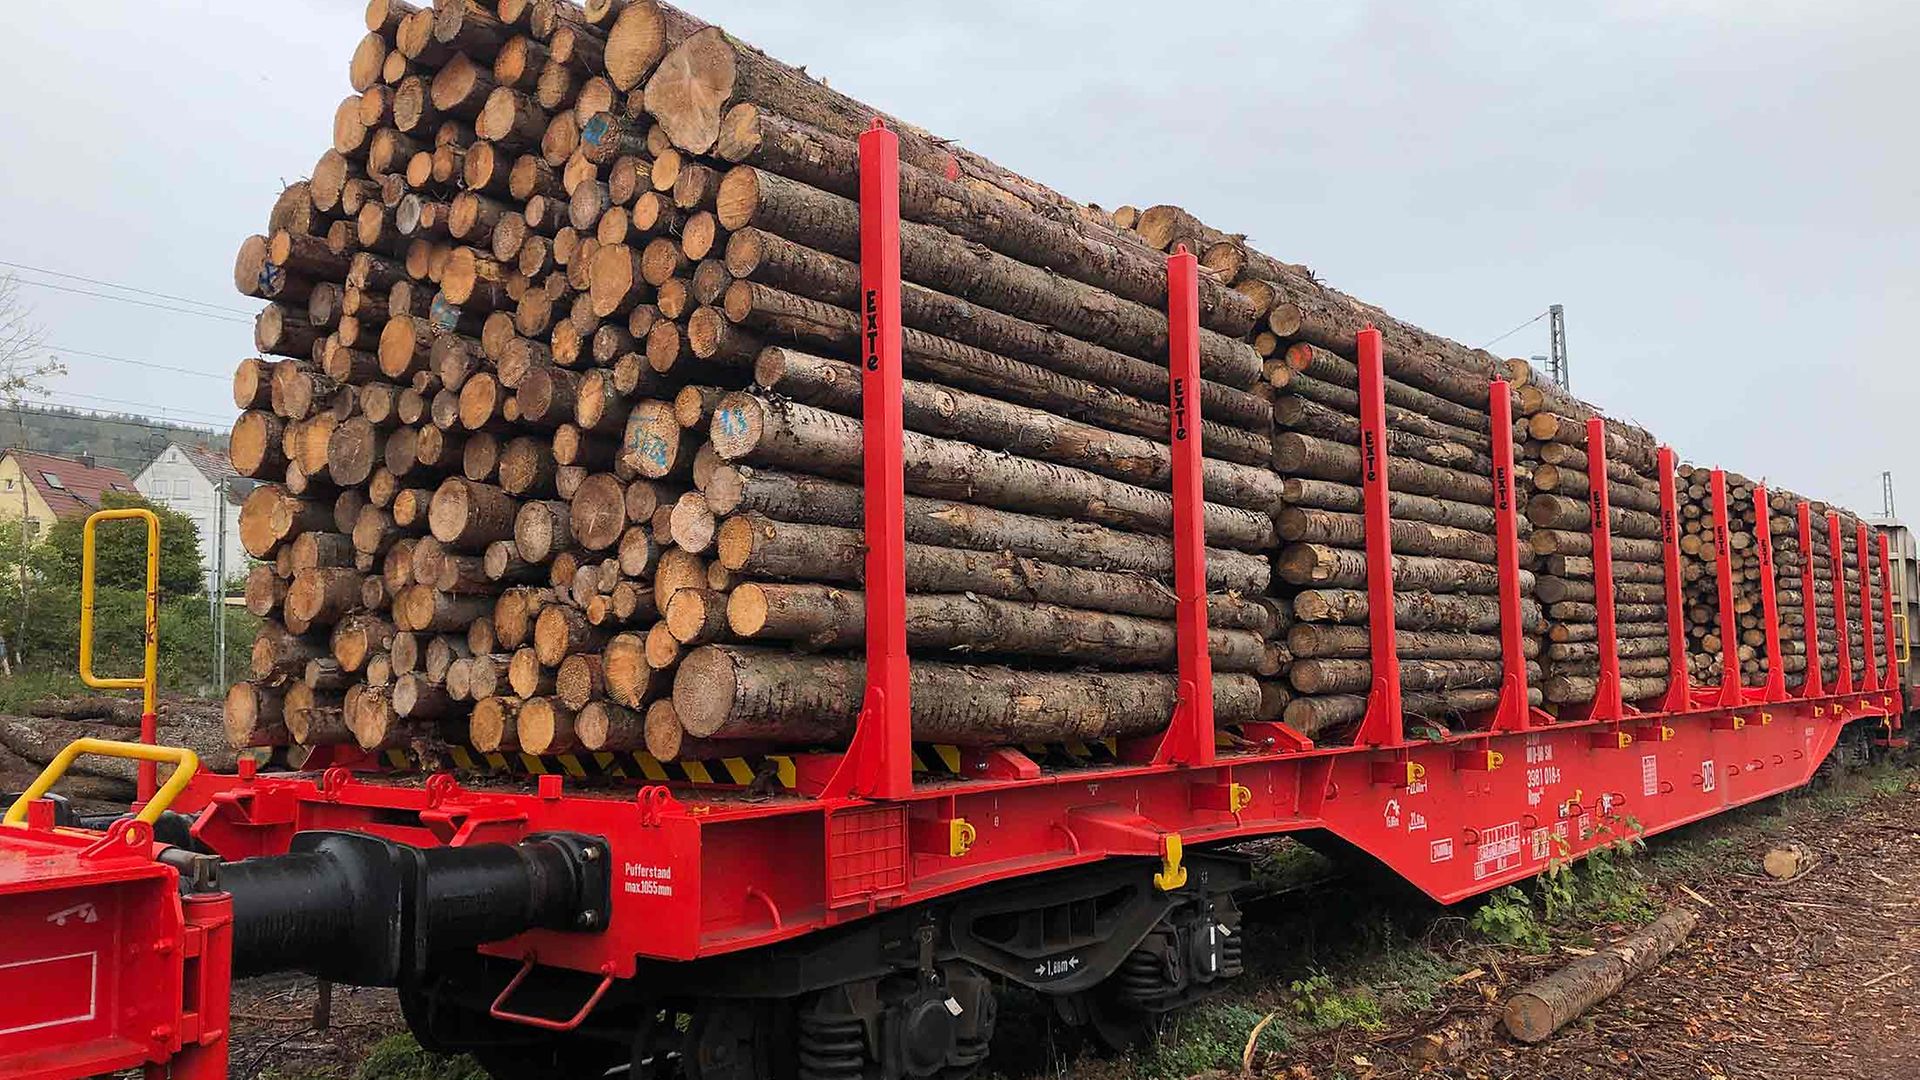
{"x": 740, "y": 1040}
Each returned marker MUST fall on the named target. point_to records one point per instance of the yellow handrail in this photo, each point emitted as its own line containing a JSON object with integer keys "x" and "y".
{"x": 185, "y": 762}
{"x": 1906, "y": 637}
{"x": 148, "y": 682}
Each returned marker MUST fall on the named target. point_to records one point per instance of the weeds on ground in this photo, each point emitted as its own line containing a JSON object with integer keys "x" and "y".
{"x": 399, "y": 1057}
{"x": 1324, "y": 1009}
{"x": 1211, "y": 1036}
{"x": 1507, "y": 918}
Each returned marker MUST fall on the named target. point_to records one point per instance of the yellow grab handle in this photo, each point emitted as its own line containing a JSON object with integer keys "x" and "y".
{"x": 147, "y": 681}
{"x": 1906, "y": 643}
{"x": 185, "y": 762}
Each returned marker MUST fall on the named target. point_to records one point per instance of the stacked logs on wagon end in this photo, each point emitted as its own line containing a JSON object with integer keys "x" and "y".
{"x": 1551, "y": 438}
{"x": 559, "y": 414}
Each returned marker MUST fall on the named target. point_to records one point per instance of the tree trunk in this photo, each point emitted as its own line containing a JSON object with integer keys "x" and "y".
{"x": 823, "y": 617}
{"x": 803, "y": 499}
{"x": 1295, "y": 524}
{"x": 1414, "y": 442}
{"x": 758, "y": 431}
{"x": 1333, "y": 369}
{"x": 945, "y": 263}
{"x": 469, "y": 516}
{"x": 759, "y": 547}
{"x": 936, "y": 410}
{"x": 1344, "y": 568}
{"x": 1548, "y": 511}
{"x": 1071, "y": 243}
{"x": 1413, "y": 610}
{"x": 1336, "y": 642}
{"x": 1295, "y": 454}
{"x": 1544, "y": 1006}
{"x": 737, "y": 693}
{"x": 1322, "y": 676}
{"x": 783, "y": 316}
{"x": 1346, "y": 498}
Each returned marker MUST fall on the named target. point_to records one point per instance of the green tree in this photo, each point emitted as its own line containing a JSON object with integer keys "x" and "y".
{"x": 120, "y": 550}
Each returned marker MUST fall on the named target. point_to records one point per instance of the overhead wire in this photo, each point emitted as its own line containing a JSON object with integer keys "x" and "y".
{"x": 123, "y": 288}
{"x": 135, "y": 363}
{"x": 130, "y": 300}
{"x": 1517, "y": 329}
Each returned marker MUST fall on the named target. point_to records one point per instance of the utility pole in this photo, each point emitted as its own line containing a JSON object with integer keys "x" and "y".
{"x": 217, "y": 588}
{"x": 1557, "y": 363}
{"x": 1886, "y": 495}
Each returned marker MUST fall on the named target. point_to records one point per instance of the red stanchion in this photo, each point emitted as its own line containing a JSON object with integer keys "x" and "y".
{"x": 1730, "y": 694}
{"x": 1679, "y": 696}
{"x": 1837, "y": 555}
{"x": 1515, "y": 712}
{"x": 1869, "y": 678}
{"x": 1383, "y": 724}
{"x": 1189, "y": 739}
{"x": 1815, "y": 684}
{"x": 1776, "y": 688}
{"x": 879, "y": 764}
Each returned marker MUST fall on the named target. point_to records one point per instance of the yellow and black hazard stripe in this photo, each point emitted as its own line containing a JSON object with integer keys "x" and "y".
{"x": 1075, "y": 753}
{"x": 777, "y": 769}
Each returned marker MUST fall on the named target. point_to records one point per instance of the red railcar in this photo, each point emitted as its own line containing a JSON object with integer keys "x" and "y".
{"x": 853, "y": 914}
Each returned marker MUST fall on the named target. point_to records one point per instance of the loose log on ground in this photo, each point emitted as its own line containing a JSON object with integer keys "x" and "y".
{"x": 1546, "y": 1005}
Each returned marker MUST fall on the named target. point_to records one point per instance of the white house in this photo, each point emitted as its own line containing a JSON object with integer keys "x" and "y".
{"x": 189, "y": 479}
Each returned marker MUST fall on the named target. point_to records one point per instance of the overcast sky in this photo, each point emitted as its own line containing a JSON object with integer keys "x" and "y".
{"x": 1725, "y": 195}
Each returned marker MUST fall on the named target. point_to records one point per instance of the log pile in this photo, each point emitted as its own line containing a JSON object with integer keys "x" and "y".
{"x": 1699, "y": 560}
{"x": 557, "y": 404}
{"x": 1439, "y": 470}
{"x": 559, "y": 417}
{"x": 1789, "y": 588}
{"x": 1551, "y": 451}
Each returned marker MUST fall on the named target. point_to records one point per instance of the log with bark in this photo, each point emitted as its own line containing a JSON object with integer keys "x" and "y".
{"x": 1546, "y": 1005}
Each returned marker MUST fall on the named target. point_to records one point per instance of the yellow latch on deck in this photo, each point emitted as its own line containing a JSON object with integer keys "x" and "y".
{"x": 1172, "y": 875}
{"x": 960, "y": 835}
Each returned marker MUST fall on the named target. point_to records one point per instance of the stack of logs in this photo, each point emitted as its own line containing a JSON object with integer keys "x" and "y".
{"x": 1439, "y": 465}
{"x": 1699, "y": 558}
{"x": 559, "y": 417}
{"x": 532, "y": 460}
{"x": 1552, "y": 443}
{"x": 1699, "y": 555}
{"x": 1789, "y": 584}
